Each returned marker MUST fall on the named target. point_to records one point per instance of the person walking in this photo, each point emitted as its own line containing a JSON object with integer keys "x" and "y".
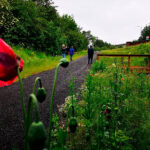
{"x": 71, "y": 51}
{"x": 90, "y": 54}
{"x": 63, "y": 50}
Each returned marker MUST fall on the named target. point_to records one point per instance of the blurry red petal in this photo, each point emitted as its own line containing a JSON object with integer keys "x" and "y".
{"x": 8, "y": 64}
{"x": 21, "y": 65}
{"x": 6, "y": 83}
{"x": 5, "y": 48}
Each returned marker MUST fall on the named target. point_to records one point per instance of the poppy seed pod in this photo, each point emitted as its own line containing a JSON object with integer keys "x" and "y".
{"x": 73, "y": 124}
{"x": 37, "y": 136}
{"x": 64, "y": 62}
{"x": 41, "y": 94}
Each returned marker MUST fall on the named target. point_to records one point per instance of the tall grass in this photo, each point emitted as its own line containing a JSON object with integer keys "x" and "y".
{"x": 113, "y": 111}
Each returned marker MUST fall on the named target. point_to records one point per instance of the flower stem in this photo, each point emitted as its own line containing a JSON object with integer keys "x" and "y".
{"x": 23, "y": 105}
{"x": 51, "y": 105}
{"x": 21, "y": 92}
{"x": 35, "y": 82}
{"x": 32, "y": 103}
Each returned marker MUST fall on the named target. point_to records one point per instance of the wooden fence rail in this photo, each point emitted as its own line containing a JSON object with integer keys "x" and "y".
{"x": 138, "y": 68}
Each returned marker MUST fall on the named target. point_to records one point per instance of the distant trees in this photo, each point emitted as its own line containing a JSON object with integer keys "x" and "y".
{"x": 36, "y": 24}
{"x": 145, "y": 32}
{"x": 7, "y": 19}
{"x": 101, "y": 45}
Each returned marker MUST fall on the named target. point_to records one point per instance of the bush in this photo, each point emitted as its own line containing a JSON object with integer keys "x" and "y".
{"x": 99, "y": 66}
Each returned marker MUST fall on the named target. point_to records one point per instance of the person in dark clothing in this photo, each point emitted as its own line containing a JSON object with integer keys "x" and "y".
{"x": 90, "y": 54}
{"x": 67, "y": 50}
{"x": 63, "y": 50}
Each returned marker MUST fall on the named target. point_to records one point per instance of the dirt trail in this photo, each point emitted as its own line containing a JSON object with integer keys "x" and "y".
{"x": 11, "y": 117}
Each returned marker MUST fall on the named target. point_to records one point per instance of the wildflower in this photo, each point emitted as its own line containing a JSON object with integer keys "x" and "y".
{"x": 122, "y": 79}
{"x": 113, "y": 65}
{"x": 8, "y": 64}
{"x": 105, "y": 112}
{"x": 147, "y": 76}
{"x": 116, "y": 109}
{"x": 91, "y": 75}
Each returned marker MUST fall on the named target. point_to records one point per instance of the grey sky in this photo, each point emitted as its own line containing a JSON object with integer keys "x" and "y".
{"x": 114, "y": 21}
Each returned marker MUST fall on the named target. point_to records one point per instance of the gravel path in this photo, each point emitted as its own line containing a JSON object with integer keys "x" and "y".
{"x": 11, "y": 117}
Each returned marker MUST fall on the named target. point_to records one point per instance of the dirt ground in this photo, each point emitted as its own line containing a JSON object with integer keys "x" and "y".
{"x": 11, "y": 116}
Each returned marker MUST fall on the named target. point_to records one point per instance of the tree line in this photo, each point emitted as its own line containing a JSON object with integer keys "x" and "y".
{"x": 36, "y": 24}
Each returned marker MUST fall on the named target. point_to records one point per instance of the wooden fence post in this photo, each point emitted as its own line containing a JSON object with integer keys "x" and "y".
{"x": 129, "y": 61}
{"x": 97, "y": 57}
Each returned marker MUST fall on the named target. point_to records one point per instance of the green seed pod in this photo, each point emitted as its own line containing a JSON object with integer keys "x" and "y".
{"x": 37, "y": 136}
{"x": 73, "y": 124}
{"x": 87, "y": 137}
{"x": 64, "y": 62}
{"x": 41, "y": 94}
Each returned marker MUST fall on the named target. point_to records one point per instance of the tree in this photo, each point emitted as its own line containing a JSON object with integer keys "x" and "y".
{"x": 89, "y": 36}
{"x": 47, "y": 10}
{"x": 145, "y": 32}
{"x": 77, "y": 39}
{"x": 99, "y": 43}
{"x": 7, "y": 20}
{"x": 40, "y": 27}
{"x": 67, "y": 24}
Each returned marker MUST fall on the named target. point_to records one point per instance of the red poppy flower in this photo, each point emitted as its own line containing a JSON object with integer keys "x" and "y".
{"x": 105, "y": 112}
{"x": 91, "y": 75}
{"x": 122, "y": 79}
{"x": 8, "y": 64}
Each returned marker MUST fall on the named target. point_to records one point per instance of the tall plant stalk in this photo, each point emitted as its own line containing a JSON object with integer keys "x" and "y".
{"x": 21, "y": 93}
{"x": 64, "y": 63}
{"x": 23, "y": 106}
{"x": 35, "y": 83}
{"x": 51, "y": 105}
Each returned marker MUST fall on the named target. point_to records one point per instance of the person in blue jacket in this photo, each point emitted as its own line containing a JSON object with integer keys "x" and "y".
{"x": 71, "y": 51}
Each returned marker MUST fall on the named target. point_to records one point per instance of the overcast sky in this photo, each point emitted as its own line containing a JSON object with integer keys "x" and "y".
{"x": 114, "y": 21}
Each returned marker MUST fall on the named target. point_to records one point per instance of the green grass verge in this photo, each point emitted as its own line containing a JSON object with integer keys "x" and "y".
{"x": 139, "y": 49}
{"x": 36, "y": 62}
{"x": 136, "y": 61}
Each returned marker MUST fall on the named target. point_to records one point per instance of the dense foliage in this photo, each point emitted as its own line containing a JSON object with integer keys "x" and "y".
{"x": 37, "y": 24}
{"x": 144, "y": 33}
{"x": 101, "y": 45}
{"x": 7, "y": 19}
